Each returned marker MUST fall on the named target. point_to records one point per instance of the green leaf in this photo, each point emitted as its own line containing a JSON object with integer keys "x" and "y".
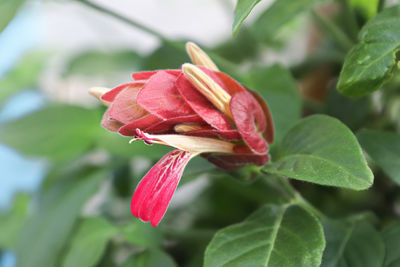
{"x": 102, "y": 63}
{"x": 277, "y": 86}
{"x": 167, "y": 56}
{"x": 8, "y": 9}
{"x": 12, "y": 222}
{"x": 89, "y": 243}
{"x": 384, "y": 149}
{"x": 368, "y": 8}
{"x": 322, "y": 150}
{"x": 372, "y": 61}
{"x": 150, "y": 258}
{"x": 50, "y": 226}
{"x": 391, "y": 237}
{"x": 242, "y": 10}
{"x": 141, "y": 234}
{"x": 270, "y": 23}
{"x": 23, "y": 76}
{"x": 272, "y": 236}
{"x": 352, "y": 243}
{"x": 57, "y": 132}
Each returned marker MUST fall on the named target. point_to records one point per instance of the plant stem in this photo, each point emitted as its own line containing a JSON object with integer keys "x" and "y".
{"x": 337, "y": 34}
{"x": 124, "y": 19}
{"x": 381, "y": 5}
{"x": 350, "y": 18}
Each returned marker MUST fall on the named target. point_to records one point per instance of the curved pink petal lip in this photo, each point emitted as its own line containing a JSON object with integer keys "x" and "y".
{"x": 154, "y": 192}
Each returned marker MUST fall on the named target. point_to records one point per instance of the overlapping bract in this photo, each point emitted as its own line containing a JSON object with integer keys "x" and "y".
{"x": 197, "y": 110}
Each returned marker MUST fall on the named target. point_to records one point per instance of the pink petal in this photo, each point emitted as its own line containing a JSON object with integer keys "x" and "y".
{"x": 160, "y": 97}
{"x": 168, "y": 125}
{"x": 231, "y": 135}
{"x": 154, "y": 192}
{"x": 230, "y": 85}
{"x": 269, "y": 130}
{"x": 141, "y": 123}
{"x": 200, "y": 104}
{"x": 250, "y": 121}
{"x": 124, "y": 107}
{"x": 145, "y": 75}
{"x": 110, "y": 124}
{"x": 110, "y": 95}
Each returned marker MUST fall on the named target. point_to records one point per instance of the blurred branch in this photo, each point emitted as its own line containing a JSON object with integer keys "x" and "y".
{"x": 350, "y": 18}
{"x": 124, "y": 19}
{"x": 332, "y": 29}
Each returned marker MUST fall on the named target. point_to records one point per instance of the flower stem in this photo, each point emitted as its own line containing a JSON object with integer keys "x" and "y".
{"x": 124, "y": 19}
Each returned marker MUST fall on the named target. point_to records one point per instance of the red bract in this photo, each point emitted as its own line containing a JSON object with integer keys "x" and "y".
{"x": 196, "y": 109}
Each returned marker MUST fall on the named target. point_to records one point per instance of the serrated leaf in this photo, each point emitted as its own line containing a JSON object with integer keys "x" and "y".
{"x": 272, "y": 236}
{"x": 242, "y": 10}
{"x": 23, "y": 76}
{"x": 384, "y": 149}
{"x": 277, "y": 86}
{"x": 89, "y": 243}
{"x": 322, "y": 150}
{"x": 391, "y": 237}
{"x": 150, "y": 258}
{"x": 12, "y": 222}
{"x": 56, "y": 132}
{"x": 372, "y": 61}
{"x": 281, "y": 12}
{"x": 8, "y": 9}
{"x": 50, "y": 226}
{"x": 352, "y": 243}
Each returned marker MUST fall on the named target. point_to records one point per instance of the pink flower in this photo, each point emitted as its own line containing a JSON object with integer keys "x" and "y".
{"x": 196, "y": 109}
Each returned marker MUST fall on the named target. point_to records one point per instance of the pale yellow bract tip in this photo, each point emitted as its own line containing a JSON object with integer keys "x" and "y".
{"x": 199, "y": 57}
{"x": 97, "y": 92}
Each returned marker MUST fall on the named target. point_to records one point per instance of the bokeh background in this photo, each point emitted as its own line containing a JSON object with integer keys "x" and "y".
{"x": 61, "y": 174}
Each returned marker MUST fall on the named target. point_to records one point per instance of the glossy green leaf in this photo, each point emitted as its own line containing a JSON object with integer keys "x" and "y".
{"x": 322, "y": 150}
{"x": 277, "y": 86}
{"x": 391, "y": 237}
{"x": 89, "y": 243}
{"x": 150, "y": 258}
{"x": 12, "y": 222}
{"x": 384, "y": 149}
{"x": 372, "y": 61}
{"x": 141, "y": 234}
{"x": 8, "y": 9}
{"x": 23, "y": 76}
{"x": 56, "y": 132}
{"x": 47, "y": 230}
{"x": 281, "y": 12}
{"x": 242, "y": 10}
{"x": 272, "y": 236}
{"x": 352, "y": 243}
{"x": 101, "y": 63}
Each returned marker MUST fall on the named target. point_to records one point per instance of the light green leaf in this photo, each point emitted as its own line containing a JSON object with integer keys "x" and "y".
{"x": 281, "y": 12}
{"x": 372, "y": 61}
{"x": 322, "y": 150}
{"x": 352, "y": 243}
{"x": 11, "y": 223}
{"x": 391, "y": 237}
{"x": 8, "y": 9}
{"x": 242, "y": 10}
{"x": 141, "y": 234}
{"x": 384, "y": 149}
{"x": 369, "y": 8}
{"x": 46, "y": 232}
{"x": 89, "y": 243}
{"x": 150, "y": 258}
{"x": 272, "y": 236}
{"x": 23, "y": 76}
{"x": 57, "y": 132}
{"x": 277, "y": 86}
{"x": 102, "y": 63}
